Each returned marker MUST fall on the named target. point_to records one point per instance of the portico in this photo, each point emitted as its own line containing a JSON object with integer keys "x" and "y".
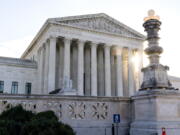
{"x": 88, "y": 68}
{"x": 87, "y": 55}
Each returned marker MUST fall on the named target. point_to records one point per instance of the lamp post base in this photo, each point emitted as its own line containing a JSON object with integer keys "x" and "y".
{"x": 155, "y": 109}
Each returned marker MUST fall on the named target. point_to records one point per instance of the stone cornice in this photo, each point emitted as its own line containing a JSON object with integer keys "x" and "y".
{"x": 42, "y": 29}
{"x": 17, "y": 62}
{"x": 154, "y": 94}
{"x": 97, "y": 31}
{"x": 64, "y": 98}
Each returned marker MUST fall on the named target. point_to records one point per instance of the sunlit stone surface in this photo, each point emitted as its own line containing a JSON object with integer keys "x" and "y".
{"x": 156, "y": 105}
{"x": 91, "y": 65}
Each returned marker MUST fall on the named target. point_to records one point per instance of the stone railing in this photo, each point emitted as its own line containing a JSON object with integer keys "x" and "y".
{"x": 78, "y": 111}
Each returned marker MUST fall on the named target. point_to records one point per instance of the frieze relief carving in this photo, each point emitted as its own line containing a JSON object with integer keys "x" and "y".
{"x": 77, "y": 110}
{"x": 54, "y": 106}
{"x": 74, "y": 110}
{"x": 27, "y": 105}
{"x": 100, "y": 111}
{"x": 78, "y": 34}
{"x": 100, "y": 24}
{"x": 4, "y": 105}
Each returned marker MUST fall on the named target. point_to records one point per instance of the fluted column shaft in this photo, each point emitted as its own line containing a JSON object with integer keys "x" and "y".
{"x": 41, "y": 68}
{"x": 119, "y": 77}
{"x": 94, "y": 69}
{"x": 46, "y": 68}
{"x": 107, "y": 71}
{"x": 131, "y": 76}
{"x": 137, "y": 67}
{"x": 81, "y": 67}
{"x": 52, "y": 64}
{"x": 67, "y": 44}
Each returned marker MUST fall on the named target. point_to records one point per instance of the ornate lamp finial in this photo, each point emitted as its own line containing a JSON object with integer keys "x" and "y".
{"x": 151, "y": 15}
{"x": 155, "y": 74}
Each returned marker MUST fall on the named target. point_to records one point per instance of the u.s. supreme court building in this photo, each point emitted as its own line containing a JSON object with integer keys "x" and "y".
{"x": 91, "y": 65}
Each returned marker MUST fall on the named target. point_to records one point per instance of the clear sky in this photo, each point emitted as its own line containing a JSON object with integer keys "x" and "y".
{"x": 22, "y": 19}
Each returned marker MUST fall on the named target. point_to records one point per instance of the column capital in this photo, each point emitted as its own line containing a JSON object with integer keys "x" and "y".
{"x": 134, "y": 50}
{"x": 44, "y": 45}
{"x": 117, "y": 46}
{"x": 107, "y": 46}
{"x": 117, "y": 50}
{"x": 130, "y": 51}
{"x": 94, "y": 44}
{"x": 67, "y": 39}
{"x": 81, "y": 41}
{"x": 52, "y": 37}
{"x": 40, "y": 48}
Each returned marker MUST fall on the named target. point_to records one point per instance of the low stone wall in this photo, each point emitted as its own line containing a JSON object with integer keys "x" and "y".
{"x": 154, "y": 110}
{"x": 87, "y": 115}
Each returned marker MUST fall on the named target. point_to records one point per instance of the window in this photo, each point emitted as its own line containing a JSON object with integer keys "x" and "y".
{"x": 1, "y": 86}
{"x": 28, "y": 88}
{"x": 14, "y": 88}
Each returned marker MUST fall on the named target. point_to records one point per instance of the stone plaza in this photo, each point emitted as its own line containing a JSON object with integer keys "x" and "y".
{"x": 86, "y": 69}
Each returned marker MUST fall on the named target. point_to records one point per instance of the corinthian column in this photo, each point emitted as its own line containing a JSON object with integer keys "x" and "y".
{"x": 67, "y": 44}
{"x": 67, "y": 82}
{"x": 41, "y": 69}
{"x": 46, "y": 68}
{"x": 107, "y": 71}
{"x": 119, "y": 79}
{"x": 52, "y": 64}
{"x": 81, "y": 67}
{"x": 94, "y": 69}
{"x": 131, "y": 75}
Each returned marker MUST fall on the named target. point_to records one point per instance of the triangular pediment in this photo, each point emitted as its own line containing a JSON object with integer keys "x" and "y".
{"x": 99, "y": 22}
{"x": 95, "y": 22}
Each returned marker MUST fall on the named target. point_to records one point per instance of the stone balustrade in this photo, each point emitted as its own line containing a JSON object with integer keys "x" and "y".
{"x": 78, "y": 111}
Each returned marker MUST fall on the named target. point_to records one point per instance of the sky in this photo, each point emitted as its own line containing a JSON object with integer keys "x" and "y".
{"x": 21, "y": 20}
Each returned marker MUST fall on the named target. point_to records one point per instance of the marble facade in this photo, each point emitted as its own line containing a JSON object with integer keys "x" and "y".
{"x": 86, "y": 114}
{"x": 86, "y": 55}
{"x": 89, "y": 60}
